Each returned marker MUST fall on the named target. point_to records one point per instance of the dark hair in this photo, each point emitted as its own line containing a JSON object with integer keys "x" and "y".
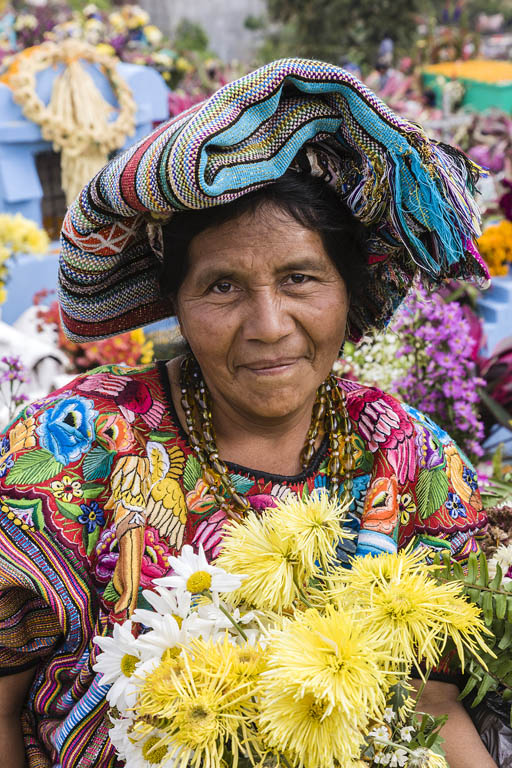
{"x": 309, "y": 200}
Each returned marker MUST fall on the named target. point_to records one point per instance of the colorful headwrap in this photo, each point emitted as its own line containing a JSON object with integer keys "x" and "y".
{"x": 415, "y": 195}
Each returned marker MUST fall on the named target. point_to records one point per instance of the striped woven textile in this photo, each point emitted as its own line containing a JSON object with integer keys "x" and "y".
{"x": 415, "y": 196}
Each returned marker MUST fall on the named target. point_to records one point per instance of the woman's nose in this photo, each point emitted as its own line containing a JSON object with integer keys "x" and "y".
{"x": 268, "y": 318}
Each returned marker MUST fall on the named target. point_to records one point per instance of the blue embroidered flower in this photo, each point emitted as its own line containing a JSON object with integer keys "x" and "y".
{"x": 67, "y": 429}
{"x": 6, "y": 462}
{"x": 92, "y": 516}
{"x": 470, "y": 478}
{"x": 455, "y": 506}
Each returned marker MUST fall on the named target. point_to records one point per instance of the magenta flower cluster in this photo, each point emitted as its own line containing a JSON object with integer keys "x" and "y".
{"x": 442, "y": 381}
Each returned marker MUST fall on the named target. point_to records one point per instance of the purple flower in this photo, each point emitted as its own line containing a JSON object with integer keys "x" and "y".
{"x": 92, "y": 516}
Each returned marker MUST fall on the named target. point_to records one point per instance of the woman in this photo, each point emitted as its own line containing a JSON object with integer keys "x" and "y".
{"x": 303, "y": 208}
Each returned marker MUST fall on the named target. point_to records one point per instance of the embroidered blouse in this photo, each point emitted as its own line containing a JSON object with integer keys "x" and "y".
{"x": 99, "y": 485}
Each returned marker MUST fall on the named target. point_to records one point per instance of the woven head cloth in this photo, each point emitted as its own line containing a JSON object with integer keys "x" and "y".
{"x": 414, "y": 195}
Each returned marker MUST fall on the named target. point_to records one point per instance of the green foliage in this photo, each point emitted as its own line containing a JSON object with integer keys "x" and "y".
{"x": 493, "y": 671}
{"x": 333, "y": 30}
{"x": 190, "y": 37}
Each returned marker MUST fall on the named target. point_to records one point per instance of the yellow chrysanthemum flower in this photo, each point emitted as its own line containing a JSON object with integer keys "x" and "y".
{"x": 331, "y": 656}
{"x": 239, "y": 665}
{"x": 257, "y": 549}
{"x": 463, "y": 623}
{"x": 200, "y": 710}
{"x": 309, "y": 731}
{"x": 399, "y": 598}
{"x": 315, "y": 527}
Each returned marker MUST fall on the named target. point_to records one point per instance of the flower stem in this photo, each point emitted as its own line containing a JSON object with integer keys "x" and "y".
{"x": 302, "y": 595}
{"x": 232, "y": 620}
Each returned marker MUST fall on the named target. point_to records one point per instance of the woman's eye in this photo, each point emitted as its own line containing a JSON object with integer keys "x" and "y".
{"x": 222, "y": 287}
{"x": 298, "y": 278}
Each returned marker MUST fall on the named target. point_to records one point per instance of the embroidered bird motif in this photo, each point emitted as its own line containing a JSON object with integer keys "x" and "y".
{"x": 132, "y": 397}
{"x": 384, "y": 424}
{"x": 166, "y": 508}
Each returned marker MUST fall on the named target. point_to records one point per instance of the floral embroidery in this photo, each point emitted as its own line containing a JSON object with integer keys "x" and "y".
{"x": 92, "y": 516}
{"x": 114, "y": 432}
{"x": 67, "y": 488}
{"x": 67, "y": 429}
{"x": 454, "y": 505}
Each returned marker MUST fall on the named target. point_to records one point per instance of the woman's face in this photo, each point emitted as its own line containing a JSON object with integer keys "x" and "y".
{"x": 264, "y": 310}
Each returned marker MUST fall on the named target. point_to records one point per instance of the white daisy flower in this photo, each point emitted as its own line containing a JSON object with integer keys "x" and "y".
{"x": 144, "y": 752}
{"x": 193, "y": 573}
{"x": 503, "y": 556}
{"x": 169, "y": 601}
{"x": 165, "y": 633}
{"x": 117, "y": 664}
{"x": 118, "y": 735}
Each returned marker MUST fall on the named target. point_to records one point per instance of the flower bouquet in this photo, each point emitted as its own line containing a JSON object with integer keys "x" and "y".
{"x": 276, "y": 655}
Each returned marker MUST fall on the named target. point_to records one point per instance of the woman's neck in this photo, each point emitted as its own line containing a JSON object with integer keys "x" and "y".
{"x": 274, "y": 446}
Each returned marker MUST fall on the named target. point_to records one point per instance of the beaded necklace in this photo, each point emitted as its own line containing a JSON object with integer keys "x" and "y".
{"x": 329, "y": 412}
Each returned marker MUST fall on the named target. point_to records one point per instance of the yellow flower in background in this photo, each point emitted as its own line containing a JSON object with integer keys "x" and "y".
{"x": 138, "y": 338}
{"x": 152, "y": 34}
{"x": 315, "y": 527}
{"x": 257, "y": 549}
{"x": 332, "y": 656}
{"x": 106, "y": 49}
{"x": 495, "y": 246}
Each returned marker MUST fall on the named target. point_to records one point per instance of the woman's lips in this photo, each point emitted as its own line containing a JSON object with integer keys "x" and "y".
{"x": 271, "y": 367}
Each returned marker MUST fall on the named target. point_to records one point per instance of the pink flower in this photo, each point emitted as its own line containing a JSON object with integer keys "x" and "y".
{"x": 209, "y": 533}
{"x": 155, "y": 560}
{"x": 262, "y": 501}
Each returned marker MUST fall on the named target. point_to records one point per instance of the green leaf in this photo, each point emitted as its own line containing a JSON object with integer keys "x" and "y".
{"x": 192, "y": 473}
{"x": 470, "y": 685}
{"x": 34, "y": 467}
{"x": 162, "y": 437}
{"x": 97, "y": 463}
{"x": 92, "y": 490}
{"x": 501, "y": 605}
{"x": 500, "y": 413}
{"x": 506, "y": 640}
{"x": 431, "y": 491}
{"x": 305, "y": 492}
{"x": 67, "y": 510}
{"x": 242, "y": 484}
{"x": 485, "y": 686}
{"x": 487, "y": 608}
{"x": 483, "y": 579}
{"x": 472, "y": 568}
{"x": 110, "y": 593}
{"x": 92, "y": 539}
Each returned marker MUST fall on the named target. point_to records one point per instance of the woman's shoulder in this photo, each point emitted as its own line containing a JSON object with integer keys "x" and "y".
{"x": 100, "y": 414}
